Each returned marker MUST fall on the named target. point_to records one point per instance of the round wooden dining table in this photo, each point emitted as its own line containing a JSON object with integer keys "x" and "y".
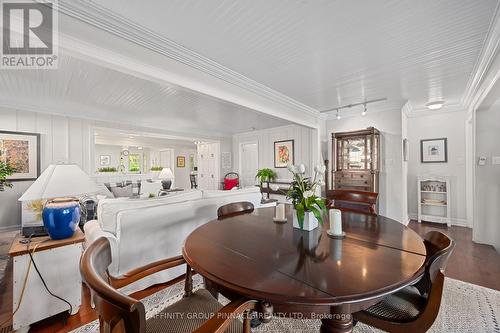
{"x": 307, "y": 274}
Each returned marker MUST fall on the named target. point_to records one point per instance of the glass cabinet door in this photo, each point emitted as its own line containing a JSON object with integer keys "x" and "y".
{"x": 354, "y": 154}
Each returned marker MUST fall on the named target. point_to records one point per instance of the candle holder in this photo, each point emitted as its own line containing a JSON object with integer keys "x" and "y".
{"x": 332, "y": 235}
{"x": 276, "y": 220}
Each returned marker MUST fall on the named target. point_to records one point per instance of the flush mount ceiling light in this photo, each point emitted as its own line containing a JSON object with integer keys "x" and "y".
{"x": 364, "y": 110}
{"x": 435, "y": 105}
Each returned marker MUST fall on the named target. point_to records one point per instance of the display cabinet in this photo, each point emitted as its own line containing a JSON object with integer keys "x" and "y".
{"x": 356, "y": 160}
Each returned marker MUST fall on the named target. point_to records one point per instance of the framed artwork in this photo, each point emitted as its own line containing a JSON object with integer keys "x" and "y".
{"x": 22, "y": 152}
{"x": 181, "y": 161}
{"x": 283, "y": 153}
{"x": 434, "y": 150}
{"x": 226, "y": 160}
{"x": 105, "y": 160}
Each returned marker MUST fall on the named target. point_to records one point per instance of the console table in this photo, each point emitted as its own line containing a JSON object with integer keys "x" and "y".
{"x": 58, "y": 262}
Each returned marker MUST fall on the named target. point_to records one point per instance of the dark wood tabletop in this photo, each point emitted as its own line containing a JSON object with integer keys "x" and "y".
{"x": 307, "y": 272}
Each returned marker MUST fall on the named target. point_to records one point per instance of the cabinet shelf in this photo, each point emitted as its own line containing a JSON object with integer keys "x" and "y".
{"x": 434, "y": 206}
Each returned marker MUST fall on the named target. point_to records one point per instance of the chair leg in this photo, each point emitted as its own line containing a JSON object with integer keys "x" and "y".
{"x": 188, "y": 286}
{"x": 247, "y": 318}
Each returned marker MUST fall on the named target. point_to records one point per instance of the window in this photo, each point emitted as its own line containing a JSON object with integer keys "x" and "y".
{"x": 134, "y": 163}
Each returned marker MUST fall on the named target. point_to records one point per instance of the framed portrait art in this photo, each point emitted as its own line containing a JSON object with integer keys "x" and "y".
{"x": 22, "y": 152}
{"x": 434, "y": 150}
{"x": 181, "y": 161}
{"x": 283, "y": 153}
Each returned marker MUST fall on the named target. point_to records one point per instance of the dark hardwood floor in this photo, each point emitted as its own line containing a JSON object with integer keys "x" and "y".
{"x": 474, "y": 263}
{"x": 470, "y": 262}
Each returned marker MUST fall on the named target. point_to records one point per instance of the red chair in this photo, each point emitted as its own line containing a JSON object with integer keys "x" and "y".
{"x": 231, "y": 180}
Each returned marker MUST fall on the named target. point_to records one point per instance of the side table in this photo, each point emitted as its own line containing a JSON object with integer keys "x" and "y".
{"x": 58, "y": 262}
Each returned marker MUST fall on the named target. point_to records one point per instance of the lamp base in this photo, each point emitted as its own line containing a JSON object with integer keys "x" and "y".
{"x": 166, "y": 184}
{"x": 61, "y": 217}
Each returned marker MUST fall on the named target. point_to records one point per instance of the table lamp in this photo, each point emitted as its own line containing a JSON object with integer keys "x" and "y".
{"x": 60, "y": 184}
{"x": 166, "y": 177}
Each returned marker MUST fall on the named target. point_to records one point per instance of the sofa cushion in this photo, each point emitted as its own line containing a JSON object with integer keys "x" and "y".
{"x": 122, "y": 192}
{"x": 150, "y": 187}
{"x": 136, "y": 186}
{"x": 108, "y": 209}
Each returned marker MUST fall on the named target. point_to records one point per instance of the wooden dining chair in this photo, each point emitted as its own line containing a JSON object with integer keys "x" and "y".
{"x": 120, "y": 313}
{"x": 354, "y": 201}
{"x": 234, "y": 208}
{"x": 414, "y": 308}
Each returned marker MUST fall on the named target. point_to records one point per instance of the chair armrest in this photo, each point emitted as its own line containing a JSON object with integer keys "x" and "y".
{"x": 222, "y": 319}
{"x": 142, "y": 272}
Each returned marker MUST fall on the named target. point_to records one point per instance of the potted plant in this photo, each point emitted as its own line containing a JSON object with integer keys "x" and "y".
{"x": 5, "y": 171}
{"x": 265, "y": 175}
{"x": 107, "y": 169}
{"x": 307, "y": 206}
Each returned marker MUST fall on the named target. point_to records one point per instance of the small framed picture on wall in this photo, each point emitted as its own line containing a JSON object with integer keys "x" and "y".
{"x": 105, "y": 160}
{"x": 181, "y": 161}
{"x": 283, "y": 153}
{"x": 434, "y": 150}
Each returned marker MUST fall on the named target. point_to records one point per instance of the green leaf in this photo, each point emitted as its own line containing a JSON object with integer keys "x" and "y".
{"x": 299, "y": 208}
{"x": 317, "y": 214}
{"x": 321, "y": 203}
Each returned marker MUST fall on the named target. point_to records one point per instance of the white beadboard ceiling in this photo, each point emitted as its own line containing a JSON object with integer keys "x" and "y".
{"x": 83, "y": 89}
{"x": 327, "y": 53}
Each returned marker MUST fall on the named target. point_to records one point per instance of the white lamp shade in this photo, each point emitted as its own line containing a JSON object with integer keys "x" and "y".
{"x": 166, "y": 173}
{"x": 59, "y": 181}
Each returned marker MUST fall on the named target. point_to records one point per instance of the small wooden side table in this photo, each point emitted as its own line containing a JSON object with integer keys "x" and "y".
{"x": 58, "y": 262}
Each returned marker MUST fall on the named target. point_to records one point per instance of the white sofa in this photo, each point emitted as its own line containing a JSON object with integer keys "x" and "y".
{"x": 142, "y": 231}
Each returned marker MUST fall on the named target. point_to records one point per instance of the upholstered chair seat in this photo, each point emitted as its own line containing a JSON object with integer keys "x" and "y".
{"x": 201, "y": 306}
{"x": 403, "y": 306}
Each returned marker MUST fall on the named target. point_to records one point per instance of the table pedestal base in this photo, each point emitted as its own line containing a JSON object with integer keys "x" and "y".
{"x": 343, "y": 324}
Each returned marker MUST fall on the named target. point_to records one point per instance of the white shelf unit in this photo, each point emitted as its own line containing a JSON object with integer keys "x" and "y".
{"x": 434, "y": 199}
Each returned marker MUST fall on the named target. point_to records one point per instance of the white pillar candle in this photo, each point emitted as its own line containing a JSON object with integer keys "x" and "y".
{"x": 280, "y": 212}
{"x": 335, "y": 216}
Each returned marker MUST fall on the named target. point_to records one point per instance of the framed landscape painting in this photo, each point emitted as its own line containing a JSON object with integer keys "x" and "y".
{"x": 22, "y": 152}
{"x": 283, "y": 153}
{"x": 434, "y": 150}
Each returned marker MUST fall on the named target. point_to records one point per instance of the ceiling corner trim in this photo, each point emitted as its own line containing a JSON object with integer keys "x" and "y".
{"x": 477, "y": 86}
{"x": 99, "y": 17}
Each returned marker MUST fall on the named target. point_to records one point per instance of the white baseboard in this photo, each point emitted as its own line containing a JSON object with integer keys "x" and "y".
{"x": 454, "y": 221}
{"x": 10, "y": 227}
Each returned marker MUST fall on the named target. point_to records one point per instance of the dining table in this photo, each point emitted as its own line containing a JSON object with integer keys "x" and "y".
{"x": 307, "y": 274}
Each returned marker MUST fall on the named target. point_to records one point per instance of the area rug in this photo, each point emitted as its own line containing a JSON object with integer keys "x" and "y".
{"x": 465, "y": 308}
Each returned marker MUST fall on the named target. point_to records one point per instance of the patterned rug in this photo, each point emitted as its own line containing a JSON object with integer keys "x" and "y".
{"x": 465, "y": 308}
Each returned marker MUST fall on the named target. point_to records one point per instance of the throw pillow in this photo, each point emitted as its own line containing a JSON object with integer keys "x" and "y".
{"x": 230, "y": 183}
{"x": 122, "y": 192}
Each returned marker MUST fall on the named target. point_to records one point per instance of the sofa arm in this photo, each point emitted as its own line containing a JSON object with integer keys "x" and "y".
{"x": 93, "y": 231}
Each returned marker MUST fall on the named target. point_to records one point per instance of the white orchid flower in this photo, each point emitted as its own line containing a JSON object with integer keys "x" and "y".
{"x": 302, "y": 168}
{"x": 320, "y": 169}
{"x": 308, "y": 194}
{"x": 292, "y": 168}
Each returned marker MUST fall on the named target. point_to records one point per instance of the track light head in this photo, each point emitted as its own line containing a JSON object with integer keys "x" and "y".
{"x": 338, "y": 115}
{"x": 364, "y": 110}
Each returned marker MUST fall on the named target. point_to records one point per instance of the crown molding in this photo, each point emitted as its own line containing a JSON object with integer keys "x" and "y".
{"x": 103, "y": 19}
{"x": 479, "y": 83}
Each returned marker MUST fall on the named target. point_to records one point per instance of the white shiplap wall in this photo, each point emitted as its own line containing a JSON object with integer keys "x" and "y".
{"x": 305, "y": 147}
{"x": 62, "y": 139}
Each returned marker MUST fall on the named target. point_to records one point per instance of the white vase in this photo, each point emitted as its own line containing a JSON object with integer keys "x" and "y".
{"x": 310, "y": 221}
